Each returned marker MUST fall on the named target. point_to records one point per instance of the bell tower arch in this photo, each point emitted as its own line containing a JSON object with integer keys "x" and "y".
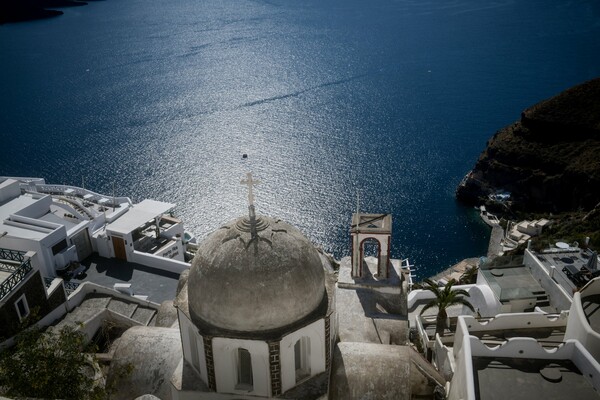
{"x": 371, "y": 226}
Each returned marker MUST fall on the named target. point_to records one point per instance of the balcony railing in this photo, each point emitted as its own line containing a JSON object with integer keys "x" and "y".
{"x": 18, "y": 273}
{"x": 12, "y": 255}
{"x": 9, "y": 267}
{"x": 70, "y": 287}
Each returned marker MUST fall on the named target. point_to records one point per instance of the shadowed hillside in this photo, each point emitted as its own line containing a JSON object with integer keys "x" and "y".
{"x": 25, "y": 10}
{"x": 549, "y": 160}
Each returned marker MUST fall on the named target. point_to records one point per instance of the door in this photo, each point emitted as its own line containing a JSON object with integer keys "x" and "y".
{"x": 119, "y": 246}
{"x": 83, "y": 245}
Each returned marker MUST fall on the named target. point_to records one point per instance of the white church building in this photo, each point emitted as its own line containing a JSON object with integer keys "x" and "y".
{"x": 256, "y": 316}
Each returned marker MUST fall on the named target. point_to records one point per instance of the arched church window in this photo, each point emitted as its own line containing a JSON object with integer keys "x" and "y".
{"x": 302, "y": 358}
{"x": 244, "y": 370}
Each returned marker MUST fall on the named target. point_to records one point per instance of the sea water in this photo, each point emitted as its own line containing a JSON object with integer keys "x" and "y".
{"x": 392, "y": 100}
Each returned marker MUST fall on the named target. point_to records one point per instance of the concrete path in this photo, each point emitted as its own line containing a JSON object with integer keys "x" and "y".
{"x": 495, "y": 246}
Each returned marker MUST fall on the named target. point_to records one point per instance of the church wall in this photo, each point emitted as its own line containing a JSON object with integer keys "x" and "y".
{"x": 161, "y": 263}
{"x": 225, "y": 364}
{"x": 35, "y": 294}
{"x": 316, "y": 333}
{"x": 202, "y": 357}
{"x": 186, "y": 328}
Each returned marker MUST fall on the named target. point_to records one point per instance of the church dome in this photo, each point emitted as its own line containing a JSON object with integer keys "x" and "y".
{"x": 252, "y": 283}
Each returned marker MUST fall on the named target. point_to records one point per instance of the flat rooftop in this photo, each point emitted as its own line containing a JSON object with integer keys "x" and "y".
{"x": 371, "y": 223}
{"x": 510, "y": 279}
{"x": 529, "y": 379}
{"x": 568, "y": 263}
{"x": 13, "y": 206}
{"x": 138, "y": 215}
{"x": 56, "y": 219}
{"x": 156, "y": 284}
{"x": 366, "y": 315}
{"x": 571, "y": 256}
{"x": 370, "y": 317}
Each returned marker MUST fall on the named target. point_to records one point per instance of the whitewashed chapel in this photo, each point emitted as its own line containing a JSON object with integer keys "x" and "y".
{"x": 256, "y": 317}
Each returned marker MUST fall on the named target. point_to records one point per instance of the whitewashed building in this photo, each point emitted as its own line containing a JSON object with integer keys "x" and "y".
{"x": 65, "y": 224}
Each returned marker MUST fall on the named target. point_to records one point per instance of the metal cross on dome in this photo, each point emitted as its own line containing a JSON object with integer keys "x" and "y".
{"x": 250, "y": 183}
{"x": 252, "y": 214}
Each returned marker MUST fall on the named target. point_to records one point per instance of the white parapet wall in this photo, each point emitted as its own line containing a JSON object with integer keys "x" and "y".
{"x": 501, "y": 322}
{"x": 425, "y": 342}
{"x": 161, "y": 263}
{"x": 550, "y": 281}
{"x": 419, "y": 295}
{"x": 481, "y": 297}
{"x": 467, "y": 346}
{"x": 579, "y": 327}
{"x": 506, "y": 322}
{"x": 463, "y": 382}
{"x": 443, "y": 358}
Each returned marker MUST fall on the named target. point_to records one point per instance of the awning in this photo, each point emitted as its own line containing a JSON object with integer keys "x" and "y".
{"x": 138, "y": 215}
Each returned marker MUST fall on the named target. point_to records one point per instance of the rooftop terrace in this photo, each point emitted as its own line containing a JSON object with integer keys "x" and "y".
{"x": 14, "y": 267}
{"x": 156, "y": 284}
{"x": 510, "y": 279}
{"x": 570, "y": 265}
{"x": 514, "y": 378}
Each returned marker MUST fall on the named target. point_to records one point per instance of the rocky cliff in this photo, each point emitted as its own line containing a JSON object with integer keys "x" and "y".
{"x": 549, "y": 160}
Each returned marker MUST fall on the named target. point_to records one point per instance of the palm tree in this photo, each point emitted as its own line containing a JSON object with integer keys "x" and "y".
{"x": 444, "y": 298}
{"x": 469, "y": 276}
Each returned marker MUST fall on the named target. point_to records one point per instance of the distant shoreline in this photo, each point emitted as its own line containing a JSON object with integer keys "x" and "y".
{"x": 456, "y": 270}
{"x": 27, "y": 14}
{"x": 14, "y": 11}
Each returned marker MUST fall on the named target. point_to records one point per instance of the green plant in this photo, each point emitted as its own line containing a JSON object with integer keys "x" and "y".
{"x": 469, "y": 276}
{"x": 49, "y": 365}
{"x": 444, "y": 298}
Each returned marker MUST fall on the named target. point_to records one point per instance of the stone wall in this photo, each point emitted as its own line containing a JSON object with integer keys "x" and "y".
{"x": 39, "y": 305}
{"x": 275, "y": 368}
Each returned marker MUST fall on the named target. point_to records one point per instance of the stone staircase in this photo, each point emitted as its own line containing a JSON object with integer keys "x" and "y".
{"x": 95, "y": 305}
{"x": 542, "y": 299}
{"x": 141, "y": 314}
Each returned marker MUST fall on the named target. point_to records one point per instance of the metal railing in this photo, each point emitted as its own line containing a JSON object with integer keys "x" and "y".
{"x": 70, "y": 287}
{"x": 8, "y": 267}
{"x": 15, "y": 278}
{"x": 12, "y": 255}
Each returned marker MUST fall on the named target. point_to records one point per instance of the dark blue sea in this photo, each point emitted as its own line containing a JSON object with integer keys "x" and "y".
{"x": 394, "y": 99}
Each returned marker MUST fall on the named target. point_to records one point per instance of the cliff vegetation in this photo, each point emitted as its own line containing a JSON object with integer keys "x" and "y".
{"x": 548, "y": 160}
